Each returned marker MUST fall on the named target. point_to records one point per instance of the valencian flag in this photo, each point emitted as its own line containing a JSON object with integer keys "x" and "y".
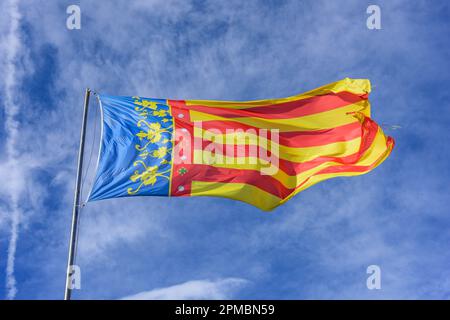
{"x": 262, "y": 152}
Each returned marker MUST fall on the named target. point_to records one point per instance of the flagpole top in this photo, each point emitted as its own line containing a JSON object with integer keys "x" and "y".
{"x": 91, "y": 91}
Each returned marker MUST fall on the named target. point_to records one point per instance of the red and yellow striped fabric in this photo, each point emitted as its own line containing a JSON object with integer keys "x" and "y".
{"x": 321, "y": 134}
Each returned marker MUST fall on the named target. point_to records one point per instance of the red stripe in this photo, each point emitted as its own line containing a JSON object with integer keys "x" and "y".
{"x": 181, "y": 182}
{"x": 184, "y": 173}
{"x": 296, "y": 139}
{"x": 207, "y": 173}
{"x": 286, "y": 110}
{"x": 367, "y": 130}
{"x": 356, "y": 168}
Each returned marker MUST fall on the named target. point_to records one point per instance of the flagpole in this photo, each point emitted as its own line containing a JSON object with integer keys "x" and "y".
{"x": 76, "y": 200}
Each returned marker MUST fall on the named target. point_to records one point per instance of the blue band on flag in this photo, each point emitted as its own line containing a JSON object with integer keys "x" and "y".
{"x": 136, "y": 148}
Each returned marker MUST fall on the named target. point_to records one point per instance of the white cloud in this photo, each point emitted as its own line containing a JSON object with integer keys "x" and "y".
{"x": 16, "y": 173}
{"x": 194, "y": 289}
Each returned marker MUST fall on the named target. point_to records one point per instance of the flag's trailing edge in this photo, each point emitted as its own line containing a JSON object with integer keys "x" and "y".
{"x": 262, "y": 152}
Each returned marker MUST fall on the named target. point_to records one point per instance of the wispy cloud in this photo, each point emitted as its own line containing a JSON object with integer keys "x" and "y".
{"x": 12, "y": 108}
{"x": 192, "y": 290}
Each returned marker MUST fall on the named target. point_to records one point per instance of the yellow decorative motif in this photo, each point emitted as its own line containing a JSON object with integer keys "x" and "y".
{"x": 151, "y": 133}
{"x": 144, "y": 154}
{"x": 161, "y": 152}
{"x": 160, "y": 113}
{"x": 144, "y": 106}
{"x": 147, "y": 177}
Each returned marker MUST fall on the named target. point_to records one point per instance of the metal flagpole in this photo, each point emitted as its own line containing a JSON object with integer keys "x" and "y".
{"x": 76, "y": 200}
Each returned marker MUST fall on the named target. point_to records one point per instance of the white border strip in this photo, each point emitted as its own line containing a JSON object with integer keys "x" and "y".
{"x": 99, "y": 148}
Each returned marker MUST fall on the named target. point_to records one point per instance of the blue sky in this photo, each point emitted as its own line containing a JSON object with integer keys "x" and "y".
{"x": 318, "y": 245}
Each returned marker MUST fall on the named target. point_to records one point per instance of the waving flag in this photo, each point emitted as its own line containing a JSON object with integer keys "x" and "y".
{"x": 262, "y": 152}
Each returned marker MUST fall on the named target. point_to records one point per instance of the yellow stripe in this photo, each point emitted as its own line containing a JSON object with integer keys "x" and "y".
{"x": 236, "y": 191}
{"x": 355, "y": 86}
{"x": 323, "y": 120}
{"x": 371, "y": 155}
{"x": 266, "y": 201}
{"x": 321, "y": 177}
{"x": 378, "y": 151}
{"x": 335, "y": 149}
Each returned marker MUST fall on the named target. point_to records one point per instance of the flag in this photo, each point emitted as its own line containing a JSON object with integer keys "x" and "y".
{"x": 261, "y": 152}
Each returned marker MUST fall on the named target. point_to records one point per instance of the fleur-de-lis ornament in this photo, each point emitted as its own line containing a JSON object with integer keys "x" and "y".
{"x": 151, "y": 133}
{"x": 146, "y": 177}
